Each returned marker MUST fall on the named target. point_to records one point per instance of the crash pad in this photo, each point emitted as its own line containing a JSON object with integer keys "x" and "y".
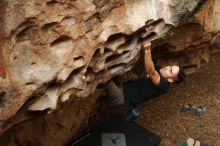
{"x": 117, "y": 132}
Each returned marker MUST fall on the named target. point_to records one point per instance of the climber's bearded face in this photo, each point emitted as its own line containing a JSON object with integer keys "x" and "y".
{"x": 170, "y": 73}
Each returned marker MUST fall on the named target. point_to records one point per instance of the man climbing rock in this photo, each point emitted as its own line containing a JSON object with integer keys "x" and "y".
{"x": 155, "y": 83}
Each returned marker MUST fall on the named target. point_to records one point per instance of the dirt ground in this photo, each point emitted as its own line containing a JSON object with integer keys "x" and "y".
{"x": 162, "y": 115}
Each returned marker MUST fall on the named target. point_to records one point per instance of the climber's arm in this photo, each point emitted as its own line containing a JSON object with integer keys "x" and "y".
{"x": 149, "y": 65}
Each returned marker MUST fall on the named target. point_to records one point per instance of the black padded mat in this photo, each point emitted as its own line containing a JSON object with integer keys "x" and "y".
{"x": 133, "y": 133}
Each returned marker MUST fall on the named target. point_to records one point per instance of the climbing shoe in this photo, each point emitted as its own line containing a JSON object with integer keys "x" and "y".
{"x": 132, "y": 115}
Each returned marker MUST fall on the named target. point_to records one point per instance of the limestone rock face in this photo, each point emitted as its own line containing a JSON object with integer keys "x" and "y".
{"x": 56, "y": 52}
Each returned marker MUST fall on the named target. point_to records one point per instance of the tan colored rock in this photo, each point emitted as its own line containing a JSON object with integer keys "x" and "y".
{"x": 58, "y": 51}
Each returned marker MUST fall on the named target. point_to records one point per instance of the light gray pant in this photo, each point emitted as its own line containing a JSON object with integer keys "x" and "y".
{"x": 114, "y": 93}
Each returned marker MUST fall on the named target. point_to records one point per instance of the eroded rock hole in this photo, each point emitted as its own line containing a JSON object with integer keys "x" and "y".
{"x": 25, "y": 33}
{"x": 107, "y": 50}
{"x": 60, "y": 40}
{"x": 78, "y": 58}
{"x": 89, "y": 70}
{"x": 151, "y": 35}
{"x": 101, "y": 73}
{"x": 33, "y": 63}
{"x": 90, "y": 75}
{"x": 49, "y": 25}
{"x": 117, "y": 68}
{"x": 159, "y": 21}
{"x": 78, "y": 61}
{"x": 78, "y": 70}
{"x": 97, "y": 54}
{"x": 2, "y": 98}
{"x": 113, "y": 57}
{"x": 100, "y": 3}
{"x": 115, "y": 37}
{"x": 15, "y": 58}
{"x": 53, "y": 2}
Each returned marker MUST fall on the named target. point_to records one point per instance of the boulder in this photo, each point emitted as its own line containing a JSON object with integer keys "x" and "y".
{"x": 54, "y": 54}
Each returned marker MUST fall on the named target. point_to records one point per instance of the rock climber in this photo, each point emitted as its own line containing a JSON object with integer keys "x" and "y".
{"x": 155, "y": 83}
